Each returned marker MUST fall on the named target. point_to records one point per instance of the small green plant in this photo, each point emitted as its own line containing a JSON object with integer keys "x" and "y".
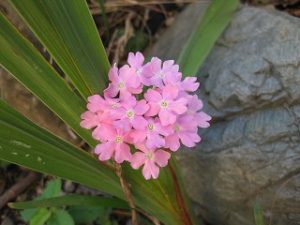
{"x": 53, "y": 208}
{"x": 49, "y": 216}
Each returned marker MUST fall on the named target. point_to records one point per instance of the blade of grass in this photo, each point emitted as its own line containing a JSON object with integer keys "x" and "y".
{"x": 26, "y": 64}
{"x": 206, "y": 33}
{"x": 68, "y": 32}
{"x": 258, "y": 214}
{"x": 24, "y": 143}
{"x": 71, "y": 200}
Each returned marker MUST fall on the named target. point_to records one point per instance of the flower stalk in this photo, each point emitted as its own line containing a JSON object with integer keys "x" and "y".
{"x": 128, "y": 196}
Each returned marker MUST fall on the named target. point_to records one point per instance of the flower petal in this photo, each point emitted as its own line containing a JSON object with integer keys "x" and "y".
{"x": 152, "y": 96}
{"x": 150, "y": 170}
{"x": 166, "y": 117}
{"x": 202, "y": 119}
{"x": 172, "y": 142}
{"x": 139, "y": 122}
{"x": 161, "y": 158}
{"x": 96, "y": 103}
{"x": 190, "y": 84}
{"x": 179, "y": 106}
{"x": 113, "y": 74}
{"x": 138, "y": 136}
{"x": 154, "y": 140}
{"x": 89, "y": 120}
{"x": 170, "y": 92}
{"x": 135, "y": 60}
{"x": 122, "y": 153}
{"x": 137, "y": 160}
{"x": 105, "y": 150}
{"x": 189, "y": 139}
{"x": 141, "y": 107}
{"x": 153, "y": 110}
{"x": 111, "y": 91}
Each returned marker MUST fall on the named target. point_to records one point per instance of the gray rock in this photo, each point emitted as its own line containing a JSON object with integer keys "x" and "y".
{"x": 250, "y": 85}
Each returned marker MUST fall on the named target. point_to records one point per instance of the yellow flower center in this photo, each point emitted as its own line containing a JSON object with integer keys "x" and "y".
{"x": 164, "y": 104}
{"x": 177, "y": 128}
{"x": 130, "y": 114}
{"x": 118, "y": 139}
{"x": 121, "y": 85}
{"x": 150, "y": 126}
{"x": 114, "y": 106}
{"x": 149, "y": 155}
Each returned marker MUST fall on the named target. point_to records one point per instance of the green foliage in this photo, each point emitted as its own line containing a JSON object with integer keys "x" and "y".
{"x": 47, "y": 208}
{"x": 67, "y": 30}
{"x": 23, "y": 142}
{"x": 28, "y": 66}
{"x": 88, "y": 215}
{"x": 258, "y": 214}
{"x": 70, "y": 200}
{"x": 203, "y": 38}
{"x": 59, "y": 217}
{"x": 41, "y": 215}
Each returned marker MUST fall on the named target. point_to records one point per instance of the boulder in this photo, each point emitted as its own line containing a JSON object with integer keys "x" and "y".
{"x": 250, "y": 84}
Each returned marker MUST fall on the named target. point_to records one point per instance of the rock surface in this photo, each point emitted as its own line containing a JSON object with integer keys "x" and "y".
{"x": 251, "y": 87}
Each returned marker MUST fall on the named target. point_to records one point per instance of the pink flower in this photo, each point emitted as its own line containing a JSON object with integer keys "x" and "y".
{"x": 96, "y": 103}
{"x": 136, "y": 62}
{"x": 115, "y": 143}
{"x": 122, "y": 82}
{"x": 96, "y": 116}
{"x": 166, "y": 105}
{"x": 95, "y": 120}
{"x": 151, "y": 159}
{"x": 131, "y": 114}
{"x": 185, "y": 131}
{"x": 93, "y": 117}
{"x": 152, "y": 134}
{"x": 189, "y": 84}
{"x": 200, "y": 118}
{"x": 89, "y": 120}
{"x": 159, "y": 74}
{"x": 166, "y": 116}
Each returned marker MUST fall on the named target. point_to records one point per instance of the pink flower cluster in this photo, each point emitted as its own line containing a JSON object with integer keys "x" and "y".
{"x": 146, "y": 112}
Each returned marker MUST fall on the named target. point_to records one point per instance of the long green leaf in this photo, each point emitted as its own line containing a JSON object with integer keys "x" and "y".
{"x": 26, "y": 64}
{"x": 71, "y": 200}
{"x": 208, "y": 30}
{"x": 67, "y": 30}
{"x": 24, "y": 143}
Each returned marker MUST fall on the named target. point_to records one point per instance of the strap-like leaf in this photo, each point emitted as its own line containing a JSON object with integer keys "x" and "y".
{"x": 201, "y": 41}
{"x": 71, "y": 200}
{"x": 24, "y": 143}
{"x": 26, "y": 64}
{"x": 67, "y": 30}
